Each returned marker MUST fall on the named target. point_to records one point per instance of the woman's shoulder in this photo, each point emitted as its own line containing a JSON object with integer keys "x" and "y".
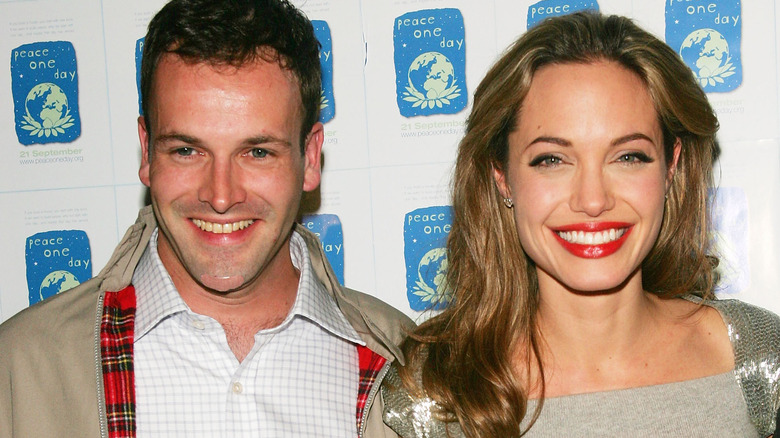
{"x": 754, "y": 333}
{"x": 752, "y": 327}
{"x": 412, "y": 415}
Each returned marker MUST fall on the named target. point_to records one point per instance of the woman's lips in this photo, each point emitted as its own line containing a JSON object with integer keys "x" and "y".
{"x": 592, "y": 240}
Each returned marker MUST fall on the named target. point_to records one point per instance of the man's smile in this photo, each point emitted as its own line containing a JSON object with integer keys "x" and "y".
{"x": 220, "y": 228}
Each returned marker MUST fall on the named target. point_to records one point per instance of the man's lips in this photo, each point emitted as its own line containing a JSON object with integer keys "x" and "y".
{"x": 593, "y": 239}
{"x": 222, "y": 227}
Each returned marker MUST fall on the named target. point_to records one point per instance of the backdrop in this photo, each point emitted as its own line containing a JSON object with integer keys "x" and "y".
{"x": 399, "y": 76}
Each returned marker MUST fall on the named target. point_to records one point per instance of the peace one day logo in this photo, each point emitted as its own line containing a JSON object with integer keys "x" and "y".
{"x": 430, "y": 62}
{"x": 707, "y": 34}
{"x": 44, "y": 83}
{"x": 327, "y": 101}
{"x": 56, "y": 261}
{"x": 425, "y": 253}
{"x": 544, "y": 9}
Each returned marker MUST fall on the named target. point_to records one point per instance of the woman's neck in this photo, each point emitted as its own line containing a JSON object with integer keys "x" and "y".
{"x": 590, "y": 327}
{"x": 622, "y": 338}
{"x": 598, "y": 317}
{"x": 595, "y": 341}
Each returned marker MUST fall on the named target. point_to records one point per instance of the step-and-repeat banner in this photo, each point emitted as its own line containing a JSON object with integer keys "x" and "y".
{"x": 398, "y": 80}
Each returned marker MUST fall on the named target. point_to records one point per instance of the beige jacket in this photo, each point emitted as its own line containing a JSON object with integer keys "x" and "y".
{"x": 50, "y": 373}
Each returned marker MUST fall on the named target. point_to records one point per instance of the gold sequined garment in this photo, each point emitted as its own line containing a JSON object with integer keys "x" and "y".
{"x": 754, "y": 335}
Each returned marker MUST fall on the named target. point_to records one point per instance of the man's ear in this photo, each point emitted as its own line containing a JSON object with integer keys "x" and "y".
{"x": 312, "y": 154}
{"x": 143, "y": 136}
{"x": 672, "y": 168}
{"x": 501, "y": 183}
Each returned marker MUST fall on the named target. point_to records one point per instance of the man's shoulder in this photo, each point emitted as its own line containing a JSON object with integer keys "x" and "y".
{"x": 71, "y": 316}
{"x": 382, "y": 320}
{"x": 380, "y": 325}
{"x": 375, "y": 307}
{"x": 64, "y": 317}
{"x": 49, "y": 368}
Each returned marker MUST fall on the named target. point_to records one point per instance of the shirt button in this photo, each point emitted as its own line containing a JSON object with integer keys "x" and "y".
{"x": 198, "y": 324}
{"x": 237, "y": 388}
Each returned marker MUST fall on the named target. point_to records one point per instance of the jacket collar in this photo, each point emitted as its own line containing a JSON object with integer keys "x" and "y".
{"x": 381, "y": 331}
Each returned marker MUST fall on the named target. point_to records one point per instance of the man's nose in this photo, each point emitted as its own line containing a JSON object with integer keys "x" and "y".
{"x": 221, "y": 186}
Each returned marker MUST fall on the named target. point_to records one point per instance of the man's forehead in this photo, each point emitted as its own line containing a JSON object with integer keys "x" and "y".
{"x": 169, "y": 82}
{"x": 174, "y": 60}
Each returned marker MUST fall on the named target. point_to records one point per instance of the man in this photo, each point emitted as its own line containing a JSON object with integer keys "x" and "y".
{"x": 216, "y": 315}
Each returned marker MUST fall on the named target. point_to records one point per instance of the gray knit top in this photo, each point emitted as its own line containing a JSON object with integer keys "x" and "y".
{"x": 740, "y": 403}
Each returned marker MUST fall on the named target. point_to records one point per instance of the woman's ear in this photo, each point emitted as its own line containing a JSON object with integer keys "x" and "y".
{"x": 501, "y": 184}
{"x": 672, "y": 168}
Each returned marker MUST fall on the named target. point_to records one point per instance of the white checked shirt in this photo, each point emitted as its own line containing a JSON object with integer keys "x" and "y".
{"x": 299, "y": 380}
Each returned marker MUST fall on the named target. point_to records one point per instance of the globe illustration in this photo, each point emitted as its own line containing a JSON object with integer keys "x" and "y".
{"x": 432, "y": 74}
{"x": 706, "y": 51}
{"x": 46, "y": 103}
{"x": 56, "y": 282}
{"x": 431, "y": 274}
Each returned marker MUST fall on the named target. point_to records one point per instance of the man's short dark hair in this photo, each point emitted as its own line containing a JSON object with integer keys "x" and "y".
{"x": 236, "y": 32}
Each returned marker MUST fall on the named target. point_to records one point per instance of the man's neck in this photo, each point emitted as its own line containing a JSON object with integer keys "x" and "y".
{"x": 264, "y": 303}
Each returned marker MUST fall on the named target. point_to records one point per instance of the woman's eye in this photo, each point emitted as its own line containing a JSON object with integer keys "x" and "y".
{"x": 635, "y": 157}
{"x": 546, "y": 161}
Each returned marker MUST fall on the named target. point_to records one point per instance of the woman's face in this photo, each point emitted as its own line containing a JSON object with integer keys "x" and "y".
{"x": 587, "y": 174}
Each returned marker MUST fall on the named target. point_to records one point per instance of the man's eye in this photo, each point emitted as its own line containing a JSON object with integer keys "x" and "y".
{"x": 185, "y": 152}
{"x": 258, "y": 153}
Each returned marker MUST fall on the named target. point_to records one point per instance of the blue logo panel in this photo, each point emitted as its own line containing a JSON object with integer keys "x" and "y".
{"x": 430, "y": 62}
{"x": 139, "y": 54}
{"x": 45, "y": 88}
{"x": 327, "y": 102}
{"x": 553, "y": 8}
{"x": 328, "y": 228}
{"x": 425, "y": 254}
{"x": 730, "y": 237}
{"x": 56, "y": 261}
{"x": 708, "y": 36}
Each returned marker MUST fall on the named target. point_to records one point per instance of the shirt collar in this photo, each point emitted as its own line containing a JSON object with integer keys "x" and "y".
{"x": 313, "y": 301}
{"x": 157, "y": 297}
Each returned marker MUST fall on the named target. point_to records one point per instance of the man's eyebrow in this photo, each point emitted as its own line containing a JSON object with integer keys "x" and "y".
{"x": 265, "y": 139}
{"x": 251, "y": 141}
{"x": 175, "y": 136}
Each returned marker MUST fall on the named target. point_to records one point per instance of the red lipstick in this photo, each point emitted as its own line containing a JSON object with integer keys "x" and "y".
{"x": 593, "y": 250}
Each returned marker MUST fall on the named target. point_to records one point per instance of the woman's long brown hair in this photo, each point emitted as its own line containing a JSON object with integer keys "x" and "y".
{"x": 467, "y": 355}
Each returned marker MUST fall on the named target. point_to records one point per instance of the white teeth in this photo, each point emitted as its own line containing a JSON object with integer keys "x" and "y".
{"x": 217, "y": 228}
{"x": 597, "y": 238}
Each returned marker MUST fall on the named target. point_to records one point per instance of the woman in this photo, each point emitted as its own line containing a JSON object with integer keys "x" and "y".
{"x": 578, "y": 258}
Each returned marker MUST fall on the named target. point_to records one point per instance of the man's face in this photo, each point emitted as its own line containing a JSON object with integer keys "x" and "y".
{"x": 226, "y": 170}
